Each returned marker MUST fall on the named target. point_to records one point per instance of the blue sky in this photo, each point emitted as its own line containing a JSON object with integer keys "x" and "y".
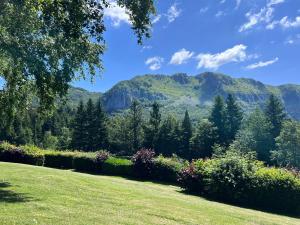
{"x": 258, "y": 39}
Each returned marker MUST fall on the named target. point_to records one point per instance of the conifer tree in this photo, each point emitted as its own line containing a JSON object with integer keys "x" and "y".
{"x": 135, "y": 125}
{"x": 275, "y": 114}
{"x": 100, "y": 132}
{"x": 79, "y": 128}
{"x": 169, "y": 137}
{"x": 218, "y": 119}
{"x": 89, "y": 125}
{"x": 186, "y": 135}
{"x": 234, "y": 118}
{"x": 152, "y": 128}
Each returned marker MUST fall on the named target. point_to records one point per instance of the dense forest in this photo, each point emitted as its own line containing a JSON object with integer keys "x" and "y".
{"x": 269, "y": 133}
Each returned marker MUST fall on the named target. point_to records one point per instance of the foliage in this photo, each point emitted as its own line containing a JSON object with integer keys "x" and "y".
{"x": 117, "y": 167}
{"x": 24, "y": 154}
{"x": 143, "y": 163}
{"x": 204, "y": 139}
{"x": 85, "y": 163}
{"x": 58, "y": 159}
{"x": 47, "y": 44}
{"x": 167, "y": 169}
{"x": 186, "y": 135}
{"x": 287, "y": 151}
{"x": 151, "y": 129}
{"x": 255, "y": 136}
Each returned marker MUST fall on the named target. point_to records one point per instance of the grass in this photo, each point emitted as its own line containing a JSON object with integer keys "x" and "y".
{"x": 38, "y": 195}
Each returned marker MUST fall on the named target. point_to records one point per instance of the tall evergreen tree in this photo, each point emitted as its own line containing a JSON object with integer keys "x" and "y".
{"x": 218, "y": 119}
{"x": 152, "y": 128}
{"x": 89, "y": 125}
{"x": 79, "y": 129}
{"x": 204, "y": 140}
{"x": 234, "y": 118}
{"x": 135, "y": 125}
{"x": 186, "y": 135}
{"x": 275, "y": 114}
{"x": 100, "y": 132}
{"x": 169, "y": 137}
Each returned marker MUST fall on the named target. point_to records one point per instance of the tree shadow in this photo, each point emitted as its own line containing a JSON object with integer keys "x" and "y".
{"x": 245, "y": 206}
{"x": 9, "y": 196}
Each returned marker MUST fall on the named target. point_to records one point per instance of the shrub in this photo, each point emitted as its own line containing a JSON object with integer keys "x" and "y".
{"x": 117, "y": 167}
{"x": 60, "y": 160}
{"x": 85, "y": 162}
{"x": 230, "y": 177}
{"x": 143, "y": 162}
{"x": 191, "y": 178}
{"x": 167, "y": 169}
{"x": 276, "y": 189}
{"x": 25, "y": 154}
{"x": 101, "y": 156}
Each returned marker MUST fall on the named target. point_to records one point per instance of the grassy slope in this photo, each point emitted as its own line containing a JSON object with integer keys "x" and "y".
{"x": 36, "y": 195}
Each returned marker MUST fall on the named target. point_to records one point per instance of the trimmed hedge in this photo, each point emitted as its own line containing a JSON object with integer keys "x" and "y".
{"x": 241, "y": 180}
{"x": 117, "y": 167}
{"x": 24, "y": 154}
{"x": 85, "y": 163}
{"x": 60, "y": 160}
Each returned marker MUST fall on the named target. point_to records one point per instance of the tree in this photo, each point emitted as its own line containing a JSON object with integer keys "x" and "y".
{"x": 50, "y": 141}
{"x": 89, "y": 127}
{"x": 186, "y": 135}
{"x": 100, "y": 132}
{"x": 234, "y": 118}
{"x": 204, "y": 140}
{"x": 275, "y": 114}
{"x": 169, "y": 137}
{"x": 152, "y": 128}
{"x": 135, "y": 125}
{"x": 255, "y": 136}
{"x": 79, "y": 129}
{"x": 287, "y": 152}
{"x": 218, "y": 119}
{"x": 46, "y": 44}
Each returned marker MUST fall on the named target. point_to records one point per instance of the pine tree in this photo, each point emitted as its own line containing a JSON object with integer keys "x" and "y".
{"x": 135, "y": 125}
{"x": 79, "y": 129}
{"x": 275, "y": 114}
{"x": 169, "y": 137}
{"x": 186, "y": 135}
{"x": 100, "y": 132}
{"x": 204, "y": 140}
{"x": 89, "y": 125}
{"x": 152, "y": 128}
{"x": 218, "y": 119}
{"x": 234, "y": 118}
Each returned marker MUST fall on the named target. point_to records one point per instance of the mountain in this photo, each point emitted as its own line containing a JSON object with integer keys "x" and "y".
{"x": 179, "y": 92}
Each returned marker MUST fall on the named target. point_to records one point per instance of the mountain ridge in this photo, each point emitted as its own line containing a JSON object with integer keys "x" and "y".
{"x": 180, "y": 91}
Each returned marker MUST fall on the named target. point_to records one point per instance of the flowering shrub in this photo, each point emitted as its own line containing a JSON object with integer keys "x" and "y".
{"x": 143, "y": 163}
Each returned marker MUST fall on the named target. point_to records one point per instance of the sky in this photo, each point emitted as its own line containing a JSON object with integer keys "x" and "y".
{"x": 258, "y": 39}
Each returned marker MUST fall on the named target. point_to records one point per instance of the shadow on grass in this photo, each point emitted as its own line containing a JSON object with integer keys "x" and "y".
{"x": 9, "y": 196}
{"x": 295, "y": 215}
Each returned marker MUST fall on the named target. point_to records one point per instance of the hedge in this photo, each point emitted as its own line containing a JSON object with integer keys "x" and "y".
{"x": 117, "y": 167}
{"x": 60, "y": 160}
{"x": 24, "y": 154}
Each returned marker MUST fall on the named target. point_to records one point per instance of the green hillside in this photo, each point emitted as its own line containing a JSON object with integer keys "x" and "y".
{"x": 37, "y": 195}
{"x": 179, "y": 92}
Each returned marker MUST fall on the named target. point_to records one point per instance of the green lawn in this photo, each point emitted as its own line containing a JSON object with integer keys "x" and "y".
{"x": 37, "y": 195}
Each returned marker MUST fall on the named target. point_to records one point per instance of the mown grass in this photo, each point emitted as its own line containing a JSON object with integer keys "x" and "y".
{"x": 37, "y": 195}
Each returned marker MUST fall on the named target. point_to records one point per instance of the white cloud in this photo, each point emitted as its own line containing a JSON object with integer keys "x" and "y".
{"x": 265, "y": 15}
{"x": 116, "y": 14}
{"x": 181, "y": 57}
{"x": 238, "y": 3}
{"x": 154, "y": 63}
{"x": 262, "y": 64}
{"x": 220, "y": 13}
{"x": 156, "y": 19}
{"x": 214, "y": 61}
{"x": 284, "y": 23}
{"x": 274, "y": 2}
{"x": 173, "y": 13}
{"x": 146, "y": 47}
{"x": 203, "y": 10}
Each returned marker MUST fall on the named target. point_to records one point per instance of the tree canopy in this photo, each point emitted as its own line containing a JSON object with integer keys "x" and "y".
{"x": 45, "y": 44}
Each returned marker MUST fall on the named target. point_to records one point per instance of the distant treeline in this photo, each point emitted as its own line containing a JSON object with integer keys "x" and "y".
{"x": 268, "y": 133}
